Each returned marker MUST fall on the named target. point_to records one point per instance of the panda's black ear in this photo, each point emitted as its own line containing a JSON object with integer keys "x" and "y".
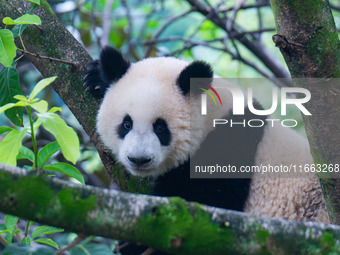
{"x": 112, "y": 64}
{"x": 110, "y": 67}
{"x": 197, "y": 69}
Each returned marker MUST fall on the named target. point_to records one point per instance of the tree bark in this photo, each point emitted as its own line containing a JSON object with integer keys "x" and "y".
{"x": 55, "y": 41}
{"x": 308, "y": 40}
{"x": 168, "y": 224}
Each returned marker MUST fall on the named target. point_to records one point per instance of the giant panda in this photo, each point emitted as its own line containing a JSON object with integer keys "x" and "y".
{"x": 144, "y": 119}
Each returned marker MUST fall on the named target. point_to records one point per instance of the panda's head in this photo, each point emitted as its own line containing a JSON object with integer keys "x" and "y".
{"x": 144, "y": 118}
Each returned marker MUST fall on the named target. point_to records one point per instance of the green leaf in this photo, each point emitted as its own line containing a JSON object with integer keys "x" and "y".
{"x": 4, "y": 231}
{"x": 11, "y": 105}
{"x": 21, "y": 98}
{"x": 24, "y": 19}
{"x": 20, "y": 249}
{"x": 47, "y": 241}
{"x": 26, "y": 153}
{"x": 40, "y": 86}
{"x": 5, "y": 129}
{"x": 91, "y": 248}
{"x": 40, "y": 106}
{"x": 65, "y": 136}
{"x": 7, "y": 47}
{"x": 34, "y": 1}
{"x": 66, "y": 169}
{"x": 45, "y": 230}
{"x": 11, "y": 222}
{"x": 19, "y": 29}
{"x": 37, "y": 124}
{"x": 26, "y": 241}
{"x": 55, "y": 109}
{"x": 10, "y": 145}
{"x": 46, "y": 152}
{"x": 9, "y": 88}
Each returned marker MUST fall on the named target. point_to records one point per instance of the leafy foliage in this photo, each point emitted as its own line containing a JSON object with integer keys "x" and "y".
{"x": 67, "y": 139}
{"x": 21, "y": 249}
{"x": 7, "y": 47}
{"x": 26, "y": 19}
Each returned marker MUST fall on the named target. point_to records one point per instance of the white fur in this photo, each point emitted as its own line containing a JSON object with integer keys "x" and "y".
{"x": 147, "y": 92}
{"x": 298, "y": 196}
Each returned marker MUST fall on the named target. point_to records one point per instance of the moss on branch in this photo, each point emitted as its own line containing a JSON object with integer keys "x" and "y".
{"x": 169, "y": 224}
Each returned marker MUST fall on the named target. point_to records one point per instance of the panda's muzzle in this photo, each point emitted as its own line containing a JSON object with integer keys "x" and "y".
{"x": 139, "y": 162}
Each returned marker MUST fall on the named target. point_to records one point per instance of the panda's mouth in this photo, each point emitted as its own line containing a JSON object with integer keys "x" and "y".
{"x": 144, "y": 169}
{"x": 141, "y": 171}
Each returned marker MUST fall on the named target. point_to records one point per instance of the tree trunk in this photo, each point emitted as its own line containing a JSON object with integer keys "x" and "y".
{"x": 308, "y": 40}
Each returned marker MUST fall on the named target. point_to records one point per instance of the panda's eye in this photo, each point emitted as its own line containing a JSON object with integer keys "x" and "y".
{"x": 127, "y": 125}
{"x": 162, "y": 131}
{"x": 159, "y": 128}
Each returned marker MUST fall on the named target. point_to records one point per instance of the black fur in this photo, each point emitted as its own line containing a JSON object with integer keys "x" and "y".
{"x": 94, "y": 82}
{"x": 122, "y": 130}
{"x": 113, "y": 65}
{"x": 164, "y": 136}
{"x": 197, "y": 69}
{"x": 239, "y": 146}
{"x": 110, "y": 67}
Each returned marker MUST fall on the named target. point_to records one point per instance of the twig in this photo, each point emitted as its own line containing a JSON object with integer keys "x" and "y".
{"x": 129, "y": 27}
{"x": 255, "y": 47}
{"x": 3, "y": 241}
{"x": 18, "y": 237}
{"x": 165, "y": 26}
{"x": 74, "y": 243}
{"x": 231, "y": 21}
{"x": 335, "y": 7}
{"x": 14, "y": 7}
{"x": 93, "y": 21}
{"x": 122, "y": 246}
{"x": 74, "y": 64}
{"x": 27, "y": 227}
{"x": 257, "y": 5}
{"x": 259, "y": 18}
{"x": 148, "y": 251}
{"x": 226, "y": 50}
{"x": 106, "y": 23}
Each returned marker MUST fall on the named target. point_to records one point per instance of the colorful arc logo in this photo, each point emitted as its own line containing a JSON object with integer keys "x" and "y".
{"x": 211, "y": 95}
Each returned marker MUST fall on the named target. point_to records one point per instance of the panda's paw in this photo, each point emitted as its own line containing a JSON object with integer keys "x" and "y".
{"x": 93, "y": 82}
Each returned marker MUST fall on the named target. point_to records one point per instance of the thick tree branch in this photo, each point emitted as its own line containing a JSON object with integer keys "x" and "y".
{"x": 55, "y": 41}
{"x": 308, "y": 40}
{"x": 169, "y": 224}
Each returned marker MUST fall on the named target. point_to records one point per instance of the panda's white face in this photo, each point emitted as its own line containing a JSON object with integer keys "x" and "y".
{"x": 145, "y": 119}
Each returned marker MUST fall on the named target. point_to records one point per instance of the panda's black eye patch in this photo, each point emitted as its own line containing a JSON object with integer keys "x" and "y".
{"x": 162, "y": 131}
{"x": 125, "y": 127}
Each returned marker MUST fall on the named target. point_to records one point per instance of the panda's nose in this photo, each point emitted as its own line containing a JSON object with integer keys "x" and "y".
{"x": 139, "y": 161}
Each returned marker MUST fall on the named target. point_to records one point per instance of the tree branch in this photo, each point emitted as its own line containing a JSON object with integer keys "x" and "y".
{"x": 253, "y": 46}
{"x": 308, "y": 40}
{"x": 168, "y": 224}
{"x": 55, "y": 41}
